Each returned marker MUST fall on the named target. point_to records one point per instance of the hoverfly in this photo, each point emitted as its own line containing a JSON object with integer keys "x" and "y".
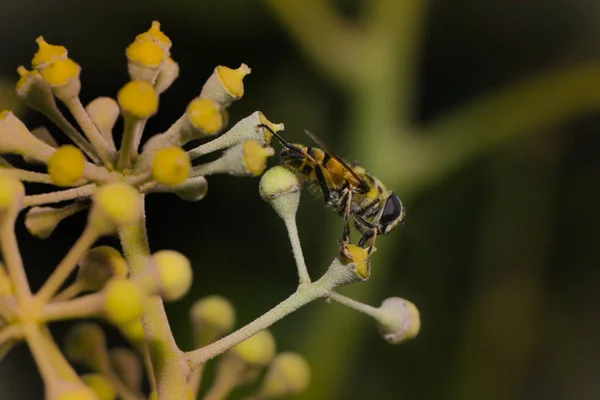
{"x": 346, "y": 187}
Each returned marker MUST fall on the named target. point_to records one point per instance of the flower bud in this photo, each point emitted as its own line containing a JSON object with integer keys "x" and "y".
{"x": 138, "y": 100}
{"x": 123, "y": 301}
{"x": 280, "y": 187}
{"x": 194, "y": 189}
{"x": 204, "y": 118}
{"x": 115, "y": 205}
{"x": 212, "y": 317}
{"x": 47, "y": 54}
{"x": 85, "y": 344}
{"x": 15, "y": 138}
{"x": 63, "y": 78}
{"x": 398, "y": 320}
{"x": 256, "y": 350}
{"x": 248, "y": 128}
{"x": 66, "y": 166}
{"x": 244, "y": 159}
{"x": 156, "y": 35}
{"x": 104, "y": 111}
{"x": 288, "y": 375}
{"x": 134, "y": 331}
{"x": 171, "y": 166}
{"x": 99, "y": 265}
{"x": 174, "y": 274}
{"x": 225, "y": 84}
{"x": 12, "y": 194}
{"x": 128, "y": 367}
{"x": 167, "y": 75}
{"x": 100, "y": 385}
{"x": 35, "y": 91}
{"x": 41, "y": 221}
{"x": 75, "y": 393}
{"x": 145, "y": 58}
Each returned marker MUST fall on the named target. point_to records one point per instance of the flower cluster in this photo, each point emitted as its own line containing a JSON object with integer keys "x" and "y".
{"x": 127, "y": 287}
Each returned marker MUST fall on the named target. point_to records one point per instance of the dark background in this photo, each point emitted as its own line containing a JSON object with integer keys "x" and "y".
{"x": 499, "y": 251}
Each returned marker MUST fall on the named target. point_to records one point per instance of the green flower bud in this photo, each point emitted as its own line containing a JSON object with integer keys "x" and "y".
{"x": 85, "y": 344}
{"x": 212, "y": 317}
{"x": 288, "y": 375}
{"x": 123, "y": 301}
{"x": 99, "y": 265}
{"x": 256, "y": 350}
{"x": 398, "y": 320}
{"x": 174, "y": 274}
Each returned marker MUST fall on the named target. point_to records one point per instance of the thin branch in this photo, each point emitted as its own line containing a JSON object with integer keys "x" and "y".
{"x": 81, "y": 307}
{"x": 62, "y": 195}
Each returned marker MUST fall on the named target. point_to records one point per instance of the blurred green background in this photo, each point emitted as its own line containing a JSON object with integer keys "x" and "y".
{"x": 481, "y": 114}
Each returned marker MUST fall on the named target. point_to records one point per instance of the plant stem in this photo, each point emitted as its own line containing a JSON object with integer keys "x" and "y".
{"x": 127, "y": 149}
{"x": 355, "y": 305}
{"x": 62, "y": 195}
{"x": 337, "y": 274}
{"x": 292, "y": 228}
{"x": 67, "y": 265}
{"x": 13, "y": 261}
{"x": 170, "y": 373}
{"x": 82, "y": 307}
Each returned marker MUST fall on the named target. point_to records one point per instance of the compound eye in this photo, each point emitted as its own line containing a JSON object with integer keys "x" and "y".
{"x": 392, "y": 210}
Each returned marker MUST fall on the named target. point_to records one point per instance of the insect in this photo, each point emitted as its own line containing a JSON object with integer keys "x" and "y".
{"x": 346, "y": 187}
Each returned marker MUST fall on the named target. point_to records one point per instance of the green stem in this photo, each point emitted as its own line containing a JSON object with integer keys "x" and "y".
{"x": 66, "y": 266}
{"x": 62, "y": 195}
{"x": 337, "y": 274}
{"x": 292, "y": 228}
{"x": 13, "y": 261}
{"x": 82, "y": 307}
{"x": 170, "y": 373}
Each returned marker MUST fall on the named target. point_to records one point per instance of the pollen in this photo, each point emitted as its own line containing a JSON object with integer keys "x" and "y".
{"x": 61, "y": 72}
{"x": 205, "y": 114}
{"x": 232, "y": 79}
{"x": 146, "y": 53}
{"x": 138, "y": 99}
{"x": 360, "y": 258}
{"x": 66, "y": 166}
{"x": 255, "y": 156}
{"x": 47, "y": 54}
{"x": 171, "y": 166}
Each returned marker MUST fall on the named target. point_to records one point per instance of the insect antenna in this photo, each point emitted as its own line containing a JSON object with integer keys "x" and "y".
{"x": 286, "y": 144}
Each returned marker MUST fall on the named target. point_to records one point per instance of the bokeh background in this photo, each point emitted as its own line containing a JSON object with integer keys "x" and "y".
{"x": 481, "y": 114}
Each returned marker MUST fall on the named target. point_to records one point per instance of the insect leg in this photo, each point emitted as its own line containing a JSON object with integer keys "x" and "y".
{"x": 322, "y": 183}
{"x": 346, "y": 234}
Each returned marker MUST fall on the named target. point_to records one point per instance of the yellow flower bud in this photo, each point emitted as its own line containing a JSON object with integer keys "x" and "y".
{"x": 205, "y": 115}
{"x": 232, "y": 79}
{"x": 61, "y": 72}
{"x": 138, "y": 99}
{"x": 104, "y": 111}
{"x": 146, "y": 53}
{"x": 123, "y": 301}
{"x": 171, "y": 166}
{"x": 47, "y": 54}
{"x": 12, "y": 193}
{"x": 280, "y": 187}
{"x": 289, "y": 374}
{"x": 100, "y": 385}
{"x": 156, "y": 35}
{"x": 78, "y": 393}
{"x": 398, "y": 320}
{"x": 115, "y": 204}
{"x": 66, "y": 166}
{"x": 134, "y": 331}
{"x": 255, "y": 156}
{"x": 258, "y": 349}
{"x": 225, "y": 85}
{"x": 212, "y": 317}
{"x": 174, "y": 273}
{"x": 85, "y": 344}
{"x": 99, "y": 265}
